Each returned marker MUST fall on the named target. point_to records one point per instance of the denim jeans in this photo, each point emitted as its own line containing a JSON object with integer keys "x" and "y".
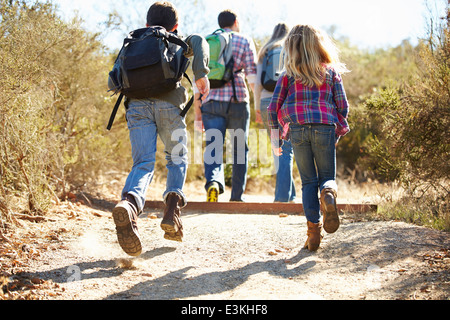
{"x": 217, "y": 117}
{"x": 284, "y": 187}
{"x": 146, "y": 119}
{"x": 315, "y": 154}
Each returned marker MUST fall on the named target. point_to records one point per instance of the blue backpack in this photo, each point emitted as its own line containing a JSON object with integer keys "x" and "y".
{"x": 271, "y": 69}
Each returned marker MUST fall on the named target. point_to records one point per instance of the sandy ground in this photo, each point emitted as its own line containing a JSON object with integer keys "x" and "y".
{"x": 74, "y": 254}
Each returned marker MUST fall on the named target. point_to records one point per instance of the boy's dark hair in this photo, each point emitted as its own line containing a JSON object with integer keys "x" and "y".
{"x": 227, "y": 19}
{"x": 163, "y": 14}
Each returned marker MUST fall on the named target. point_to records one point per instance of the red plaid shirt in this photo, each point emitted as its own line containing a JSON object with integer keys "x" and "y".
{"x": 244, "y": 53}
{"x": 293, "y": 102}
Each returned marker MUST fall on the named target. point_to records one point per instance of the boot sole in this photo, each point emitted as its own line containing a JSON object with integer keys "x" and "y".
{"x": 128, "y": 239}
{"x": 310, "y": 247}
{"x": 171, "y": 231}
{"x": 212, "y": 195}
{"x": 331, "y": 221}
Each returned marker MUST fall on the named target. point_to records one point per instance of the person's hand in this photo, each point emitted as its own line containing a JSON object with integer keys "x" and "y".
{"x": 336, "y": 139}
{"x": 258, "y": 118}
{"x": 277, "y": 151}
{"x": 203, "y": 87}
{"x": 198, "y": 123}
{"x": 276, "y": 142}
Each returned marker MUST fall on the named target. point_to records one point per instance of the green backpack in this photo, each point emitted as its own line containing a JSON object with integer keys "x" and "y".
{"x": 221, "y": 58}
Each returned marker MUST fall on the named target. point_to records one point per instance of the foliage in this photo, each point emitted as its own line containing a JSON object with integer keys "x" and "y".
{"x": 410, "y": 121}
{"x": 52, "y": 105}
{"x": 409, "y": 140}
{"x": 371, "y": 71}
{"x": 425, "y": 211}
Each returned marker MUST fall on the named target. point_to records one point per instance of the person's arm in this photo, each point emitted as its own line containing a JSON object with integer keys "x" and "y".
{"x": 257, "y": 93}
{"x": 198, "y": 122}
{"x": 250, "y": 69}
{"x": 199, "y": 86}
{"x": 249, "y": 60}
{"x": 200, "y": 51}
{"x": 199, "y": 48}
{"x": 278, "y": 98}
{"x": 342, "y": 106}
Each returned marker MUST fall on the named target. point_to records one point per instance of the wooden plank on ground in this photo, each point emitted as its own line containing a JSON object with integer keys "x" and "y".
{"x": 256, "y": 208}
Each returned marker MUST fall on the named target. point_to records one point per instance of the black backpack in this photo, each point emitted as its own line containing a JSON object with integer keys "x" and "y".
{"x": 151, "y": 62}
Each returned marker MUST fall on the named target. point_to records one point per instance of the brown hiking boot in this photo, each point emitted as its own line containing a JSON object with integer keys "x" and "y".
{"x": 314, "y": 236}
{"x": 125, "y": 217}
{"x": 329, "y": 210}
{"x": 171, "y": 223}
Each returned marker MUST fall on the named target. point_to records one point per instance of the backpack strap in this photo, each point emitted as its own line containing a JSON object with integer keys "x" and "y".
{"x": 191, "y": 101}
{"x": 172, "y": 38}
{"x": 175, "y": 40}
{"x": 114, "y": 112}
{"x": 119, "y": 101}
{"x": 233, "y": 82}
{"x": 233, "y": 85}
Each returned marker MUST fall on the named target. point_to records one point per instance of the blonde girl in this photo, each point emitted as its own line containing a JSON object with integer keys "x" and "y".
{"x": 310, "y": 107}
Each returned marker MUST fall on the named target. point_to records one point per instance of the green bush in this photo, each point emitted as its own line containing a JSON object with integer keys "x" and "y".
{"x": 411, "y": 122}
{"x": 371, "y": 71}
{"x": 410, "y": 139}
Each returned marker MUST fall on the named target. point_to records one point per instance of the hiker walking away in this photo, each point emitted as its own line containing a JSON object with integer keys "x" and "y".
{"x": 228, "y": 107}
{"x": 269, "y": 69}
{"x": 159, "y": 114}
{"x": 310, "y": 105}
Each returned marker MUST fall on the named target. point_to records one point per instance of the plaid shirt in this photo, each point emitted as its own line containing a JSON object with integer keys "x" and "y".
{"x": 244, "y": 53}
{"x": 293, "y": 102}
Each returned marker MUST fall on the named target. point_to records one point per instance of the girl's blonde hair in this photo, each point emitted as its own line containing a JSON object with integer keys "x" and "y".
{"x": 307, "y": 54}
{"x": 280, "y": 32}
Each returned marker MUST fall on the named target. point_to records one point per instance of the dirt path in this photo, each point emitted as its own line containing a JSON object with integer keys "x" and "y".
{"x": 75, "y": 255}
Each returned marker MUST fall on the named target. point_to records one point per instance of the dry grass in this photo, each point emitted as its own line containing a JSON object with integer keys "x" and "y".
{"x": 396, "y": 203}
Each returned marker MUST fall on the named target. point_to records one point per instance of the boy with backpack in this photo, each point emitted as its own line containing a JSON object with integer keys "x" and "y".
{"x": 148, "y": 116}
{"x": 228, "y": 107}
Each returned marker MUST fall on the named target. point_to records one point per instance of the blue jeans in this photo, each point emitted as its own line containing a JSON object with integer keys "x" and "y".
{"x": 146, "y": 119}
{"x": 315, "y": 154}
{"x": 218, "y": 116}
{"x": 284, "y": 187}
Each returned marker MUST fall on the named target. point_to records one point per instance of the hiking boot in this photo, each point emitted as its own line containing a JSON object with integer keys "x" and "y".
{"x": 315, "y": 236}
{"x": 329, "y": 210}
{"x": 125, "y": 217}
{"x": 171, "y": 223}
{"x": 213, "y": 193}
